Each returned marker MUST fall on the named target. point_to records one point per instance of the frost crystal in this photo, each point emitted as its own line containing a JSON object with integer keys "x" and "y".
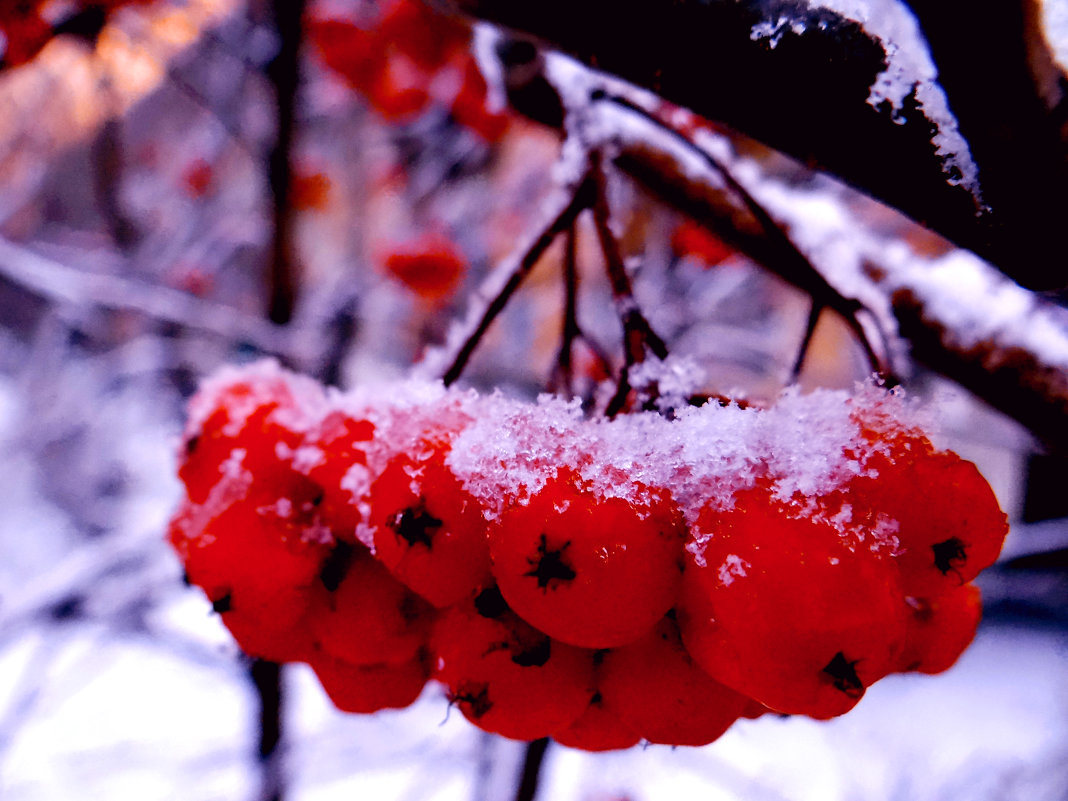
{"x": 733, "y": 567}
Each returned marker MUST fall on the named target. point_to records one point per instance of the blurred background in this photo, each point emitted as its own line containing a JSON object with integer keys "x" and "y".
{"x": 190, "y": 184}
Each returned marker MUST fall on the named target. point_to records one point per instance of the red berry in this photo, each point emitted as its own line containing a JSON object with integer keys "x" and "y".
{"x": 597, "y": 729}
{"x": 198, "y": 178}
{"x": 507, "y": 677}
{"x": 691, "y": 239}
{"x": 423, "y": 35}
{"x": 654, "y": 687}
{"x": 431, "y": 266}
{"x": 469, "y": 105}
{"x": 244, "y": 421}
{"x": 256, "y": 568}
{"x": 939, "y": 629}
{"x": 363, "y": 689}
{"x": 948, "y": 523}
{"x": 311, "y": 191}
{"x": 428, "y": 531}
{"x": 398, "y": 89}
{"x": 364, "y": 616}
{"x": 350, "y": 51}
{"x": 780, "y": 609}
{"x": 340, "y": 468}
{"x": 593, "y": 572}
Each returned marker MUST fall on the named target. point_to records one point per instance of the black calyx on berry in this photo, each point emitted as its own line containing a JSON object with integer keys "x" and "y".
{"x": 844, "y": 674}
{"x": 536, "y": 655}
{"x": 336, "y": 565}
{"x": 549, "y": 565}
{"x": 490, "y": 603}
{"x": 415, "y": 525}
{"x": 949, "y": 555}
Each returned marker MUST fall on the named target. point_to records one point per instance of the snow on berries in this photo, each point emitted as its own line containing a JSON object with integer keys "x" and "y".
{"x": 599, "y": 581}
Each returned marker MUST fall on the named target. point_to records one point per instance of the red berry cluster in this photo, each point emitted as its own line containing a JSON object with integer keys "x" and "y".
{"x": 403, "y": 57}
{"x": 598, "y": 582}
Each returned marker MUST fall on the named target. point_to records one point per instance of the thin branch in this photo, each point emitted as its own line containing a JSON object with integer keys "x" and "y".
{"x": 814, "y": 313}
{"x": 66, "y": 286}
{"x": 504, "y": 280}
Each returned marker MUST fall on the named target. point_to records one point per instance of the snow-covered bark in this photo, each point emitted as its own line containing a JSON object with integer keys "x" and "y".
{"x": 853, "y": 91}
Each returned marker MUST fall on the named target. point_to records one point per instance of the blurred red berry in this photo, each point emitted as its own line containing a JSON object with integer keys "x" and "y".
{"x": 431, "y": 266}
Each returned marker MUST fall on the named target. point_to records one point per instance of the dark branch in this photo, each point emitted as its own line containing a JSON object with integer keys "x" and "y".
{"x": 284, "y": 73}
{"x": 803, "y": 86}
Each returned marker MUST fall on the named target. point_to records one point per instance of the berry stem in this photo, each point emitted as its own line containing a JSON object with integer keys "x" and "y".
{"x": 791, "y": 262}
{"x": 563, "y": 375}
{"x": 638, "y": 334}
{"x": 562, "y": 378}
{"x": 806, "y": 341}
{"x": 502, "y": 283}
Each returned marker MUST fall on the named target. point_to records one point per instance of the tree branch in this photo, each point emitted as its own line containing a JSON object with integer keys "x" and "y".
{"x": 564, "y": 206}
{"x": 65, "y": 285}
{"x": 961, "y": 316}
{"x": 803, "y": 80}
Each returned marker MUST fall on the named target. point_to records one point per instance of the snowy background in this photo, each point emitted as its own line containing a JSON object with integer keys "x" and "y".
{"x": 117, "y": 681}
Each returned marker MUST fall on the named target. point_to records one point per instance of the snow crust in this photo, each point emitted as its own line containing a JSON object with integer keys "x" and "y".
{"x": 504, "y": 450}
{"x": 967, "y": 298}
{"x": 909, "y": 68}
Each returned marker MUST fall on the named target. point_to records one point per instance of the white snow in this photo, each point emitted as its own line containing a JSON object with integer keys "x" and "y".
{"x": 909, "y": 66}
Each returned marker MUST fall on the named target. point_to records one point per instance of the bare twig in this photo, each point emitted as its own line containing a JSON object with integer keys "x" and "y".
{"x": 65, "y": 285}
{"x": 266, "y": 677}
{"x": 501, "y": 284}
{"x": 814, "y": 313}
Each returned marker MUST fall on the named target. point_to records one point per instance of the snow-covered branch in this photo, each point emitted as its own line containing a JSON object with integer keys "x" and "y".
{"x": 850, "y": 87}
{"x": 955, "y": 313}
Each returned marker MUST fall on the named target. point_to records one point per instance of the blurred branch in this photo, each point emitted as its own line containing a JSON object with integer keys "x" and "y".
{"x": 532, "y": 762}
{"x": 284, "y": 73}
{"x": 80, "y": 568}
{"x": 267, "y": 679}
{"x": 65, "y": 285}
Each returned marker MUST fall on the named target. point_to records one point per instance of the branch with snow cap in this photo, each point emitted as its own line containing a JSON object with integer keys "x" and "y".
{"x": 852, "y": 90}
